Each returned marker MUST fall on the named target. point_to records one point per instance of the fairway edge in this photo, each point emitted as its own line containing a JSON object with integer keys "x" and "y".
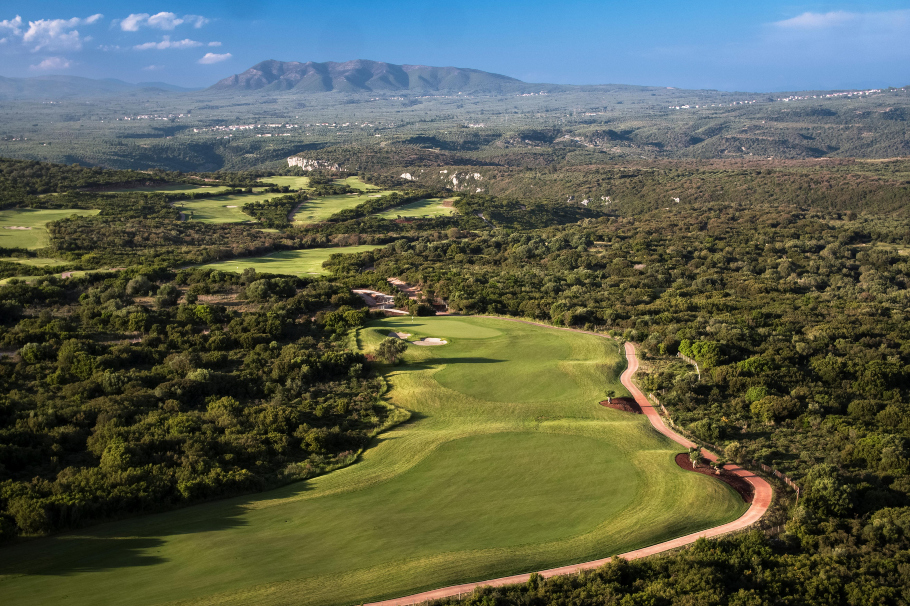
{"x": 760, "y": 503}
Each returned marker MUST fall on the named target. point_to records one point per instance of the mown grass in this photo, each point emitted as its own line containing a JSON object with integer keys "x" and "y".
{"x": 176, "y": 188}
{"x": 34, "y": 261}
{"x": 294, "y": 183}
{"x": 221, "y": 209}
{"x": 431, "y": 207}
{"x": 36, "y": 219}
{"x": 320, "y": 209}
{"x": 296, "y": 262}
{"x": 474, "y": 486}
{"x": 356, "y": 183}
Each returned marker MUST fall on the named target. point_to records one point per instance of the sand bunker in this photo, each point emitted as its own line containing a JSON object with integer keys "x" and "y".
{"x": 235, "y": 206}
{"x": 15, "y": 227}
{"x": 430, "y": 341}
{"x": 400, "y": 335}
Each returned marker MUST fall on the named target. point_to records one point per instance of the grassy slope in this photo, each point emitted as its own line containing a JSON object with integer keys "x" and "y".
{"x": 36, "y": 219}
{"x": 530, "y": 474}
{"x": 431, "y": 207}
{"x": 296, "y": 262}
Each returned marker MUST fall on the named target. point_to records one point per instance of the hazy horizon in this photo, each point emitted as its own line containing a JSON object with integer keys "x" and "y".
{"x": 774, "y": 47}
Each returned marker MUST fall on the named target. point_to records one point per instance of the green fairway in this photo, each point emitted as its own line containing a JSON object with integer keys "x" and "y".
{"x": 477, "y": 484}
{"x": 296, "y": 262}
{"x": 356, "y": 183}
{"x": 320, "y": 209}
{"x": 177, "y": 188}
{"x": 294, "y": 183}
{"x": 35, "y": 236}
{"x": 431, "y": 207}
{"x": 221, "y": 209}
{"x": 34, "y": 261}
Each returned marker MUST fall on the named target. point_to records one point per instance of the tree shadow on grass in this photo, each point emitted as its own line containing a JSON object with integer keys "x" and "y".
{"x": 455, "y": 360}
{"x": 129, "y": 542}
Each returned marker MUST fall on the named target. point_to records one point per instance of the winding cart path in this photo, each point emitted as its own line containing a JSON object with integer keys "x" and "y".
{"x": 760, "y": 504}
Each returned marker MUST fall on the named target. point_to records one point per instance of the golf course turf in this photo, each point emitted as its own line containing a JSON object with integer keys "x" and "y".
{"x": 430, "y": 207}
{"x": 508, "y": 464}
{"x": 320, "y": 209}
{"x": 35, "y": 220}
{"x": 294, "y": 262}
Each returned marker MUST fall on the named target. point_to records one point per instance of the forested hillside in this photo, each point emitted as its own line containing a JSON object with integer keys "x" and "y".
{"x": 161, "y": 384}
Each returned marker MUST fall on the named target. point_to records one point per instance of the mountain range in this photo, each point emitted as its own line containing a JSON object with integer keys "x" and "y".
{"x": 55, "y": 87}
{"x": 366, "y": 76}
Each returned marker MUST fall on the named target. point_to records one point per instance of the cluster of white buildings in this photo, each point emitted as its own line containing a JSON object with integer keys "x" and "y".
{"x": 153, "y": 117}
{"x": 734, "y": 103}
{"x": 854, "y": 93}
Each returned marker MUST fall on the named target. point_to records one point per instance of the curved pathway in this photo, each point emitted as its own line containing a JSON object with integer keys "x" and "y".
{"x": 757, "y": 509}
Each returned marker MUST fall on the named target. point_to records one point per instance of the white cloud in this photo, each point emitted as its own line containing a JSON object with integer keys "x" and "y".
{"x": 132, "y": 23}
{"x": 57, "y": 34}
{"x": 153, "y": 68}
{"x": 214, "y": 44}
{"x": 210, "y": 58}
{"x": 873, "y": 24}
{"x": 197, "y": 20}
{"x": 167, "y": 43}
{"x": 818, "y": 20}
{"x": 14, "y": 25}
{"x": 163, "y": 20}
{"x": 52, "y": 63}
{"x": 109, "y": 47}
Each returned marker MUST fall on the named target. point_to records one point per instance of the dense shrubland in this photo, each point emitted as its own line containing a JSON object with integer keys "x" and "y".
{"x": 118, "y": 397}
{"x": 788, "y": 284}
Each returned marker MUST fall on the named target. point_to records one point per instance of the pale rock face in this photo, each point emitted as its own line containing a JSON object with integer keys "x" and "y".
{"x": 307, "y": 164}
{"x": 407, "y": 176}
{"x": 478, "y": 177}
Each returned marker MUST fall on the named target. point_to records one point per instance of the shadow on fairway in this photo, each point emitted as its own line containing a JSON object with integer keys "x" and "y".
{"x": 126, "y": 543}
{"x": 433, "y": 363}
{"x": 85, "y": 554}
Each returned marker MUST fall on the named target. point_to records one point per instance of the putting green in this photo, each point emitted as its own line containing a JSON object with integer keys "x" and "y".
{"x": 35, "y": 236}
{"x": 295, "y": 262}
{"x": 471, "y": 488}
{"x": 431, "y": 207}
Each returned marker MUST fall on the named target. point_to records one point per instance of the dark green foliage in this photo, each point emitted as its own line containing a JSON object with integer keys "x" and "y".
{"x": 114, "y": 407}
{"x": 274, "y": 213}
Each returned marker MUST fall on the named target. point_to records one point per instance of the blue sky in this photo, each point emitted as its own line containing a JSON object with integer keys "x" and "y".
{"x": 752, "y": 46}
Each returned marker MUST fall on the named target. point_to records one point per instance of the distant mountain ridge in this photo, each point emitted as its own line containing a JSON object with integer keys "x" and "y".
{"x": 366, "y": 76}
{"x": 53, "y": 87}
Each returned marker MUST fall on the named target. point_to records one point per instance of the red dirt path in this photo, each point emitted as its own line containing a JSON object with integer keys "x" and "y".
{"x": 760, "y": 503}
